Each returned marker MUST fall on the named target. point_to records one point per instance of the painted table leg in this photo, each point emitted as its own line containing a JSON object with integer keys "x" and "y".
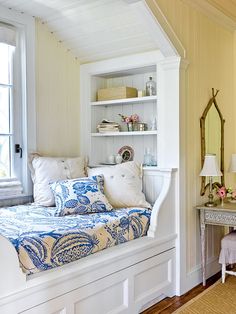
{"x": 223, "y": 272}
{"x": 203, "y": 246}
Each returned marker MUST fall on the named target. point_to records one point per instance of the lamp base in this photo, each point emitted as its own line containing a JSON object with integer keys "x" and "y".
{"x": 210, "y": 204}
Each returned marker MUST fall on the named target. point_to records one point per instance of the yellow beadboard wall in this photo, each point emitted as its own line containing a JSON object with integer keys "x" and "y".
{"x": 57, "y": 96}
{"x": 210, "y": 52}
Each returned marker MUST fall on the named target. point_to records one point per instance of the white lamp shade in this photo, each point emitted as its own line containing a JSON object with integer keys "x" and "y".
{"x": 232, "y": 166}
{"x": 210, "y": 167}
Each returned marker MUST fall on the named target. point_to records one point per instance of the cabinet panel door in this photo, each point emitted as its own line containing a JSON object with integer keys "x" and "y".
{"x": 107, "y": 295}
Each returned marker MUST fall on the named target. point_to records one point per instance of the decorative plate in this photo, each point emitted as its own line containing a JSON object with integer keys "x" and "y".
{"x": 127, "y": 153}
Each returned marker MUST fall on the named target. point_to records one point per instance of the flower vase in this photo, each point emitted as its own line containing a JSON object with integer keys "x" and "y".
{"x": 130, "y": 126}
{"x": 135, "y": 126}
{"x": 222, "y": 201}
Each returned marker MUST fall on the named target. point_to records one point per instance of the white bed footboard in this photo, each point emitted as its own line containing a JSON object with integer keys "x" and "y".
{"x": 123, "y": 279}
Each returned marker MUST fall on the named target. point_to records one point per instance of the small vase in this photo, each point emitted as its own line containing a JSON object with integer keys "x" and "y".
{"x": 130, "y": 126}
{"x": 135, "y": 126}
{"x": 222, "y": 201}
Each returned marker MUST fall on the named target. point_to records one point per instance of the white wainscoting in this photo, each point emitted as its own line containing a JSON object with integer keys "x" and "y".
{"x": 124, "y": 292}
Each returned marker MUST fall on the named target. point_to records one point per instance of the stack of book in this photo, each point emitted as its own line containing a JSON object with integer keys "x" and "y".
{"x": 10, "y": 188}
{"x": 108, "y": 126}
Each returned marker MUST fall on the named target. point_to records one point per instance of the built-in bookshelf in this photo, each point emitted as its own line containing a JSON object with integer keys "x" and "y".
{"x": 130, "y": 71}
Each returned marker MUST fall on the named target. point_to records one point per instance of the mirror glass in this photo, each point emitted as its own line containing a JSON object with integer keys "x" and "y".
{"x": 212, "y": 138}
{"x": 213, "y": 134}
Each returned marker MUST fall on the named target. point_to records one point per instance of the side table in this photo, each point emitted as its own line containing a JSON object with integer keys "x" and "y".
{"x": 221, "y": 215}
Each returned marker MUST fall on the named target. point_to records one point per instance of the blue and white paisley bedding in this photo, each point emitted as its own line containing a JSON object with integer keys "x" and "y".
{"x": 44, "y": 241}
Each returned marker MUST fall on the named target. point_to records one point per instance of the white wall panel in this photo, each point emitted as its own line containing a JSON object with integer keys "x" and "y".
{"x": 57, "y": 96}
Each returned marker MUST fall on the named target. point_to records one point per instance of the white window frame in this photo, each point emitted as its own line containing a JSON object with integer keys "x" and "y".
{"x": 25, "y": 28}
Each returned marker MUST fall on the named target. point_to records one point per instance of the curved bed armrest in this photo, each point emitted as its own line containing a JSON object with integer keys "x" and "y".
{"x": 162, "y": 222}
{"x": 12, "y": 277}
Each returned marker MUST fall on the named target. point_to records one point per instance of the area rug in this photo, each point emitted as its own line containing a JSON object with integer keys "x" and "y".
{"x": 219, "y": 298}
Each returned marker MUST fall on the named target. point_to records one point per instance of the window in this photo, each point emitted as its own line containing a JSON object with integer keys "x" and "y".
{"x": 6, "y": 108}
{"x": 11, "y": 104}
{"x": 17, "y": 101}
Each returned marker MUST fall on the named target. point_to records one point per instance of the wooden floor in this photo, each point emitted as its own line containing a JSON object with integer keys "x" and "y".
{"x": 169, "y": 305}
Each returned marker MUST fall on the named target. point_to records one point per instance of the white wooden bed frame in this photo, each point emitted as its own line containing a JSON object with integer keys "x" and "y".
{"x": 123, "y": 279}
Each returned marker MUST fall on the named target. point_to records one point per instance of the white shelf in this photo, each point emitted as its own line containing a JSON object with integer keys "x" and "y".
{"x": 145, "y": 168}
{"x": 124, "y": 101}
{"x": 133, "y": 133}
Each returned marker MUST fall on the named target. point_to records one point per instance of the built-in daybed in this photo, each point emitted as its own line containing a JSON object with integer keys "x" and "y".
{"x": 44, "y": 241}
{"x": 128, "y": 277}
{"x": 131, "y": 276}
{"x": 125, "y": 278}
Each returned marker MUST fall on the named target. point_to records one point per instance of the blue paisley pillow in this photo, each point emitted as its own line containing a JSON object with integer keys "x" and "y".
{"x": 80, "y": 196}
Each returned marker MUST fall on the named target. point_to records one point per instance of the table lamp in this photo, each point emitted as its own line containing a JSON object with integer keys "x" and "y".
{"x": 210, "y": 169}
{"x": 232, "y": 166}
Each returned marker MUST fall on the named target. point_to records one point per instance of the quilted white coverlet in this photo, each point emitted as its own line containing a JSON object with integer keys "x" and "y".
{"x": 44, "y": 241}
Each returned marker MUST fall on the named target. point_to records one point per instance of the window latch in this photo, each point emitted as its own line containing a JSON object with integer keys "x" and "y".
{"x": 18, "y": 149}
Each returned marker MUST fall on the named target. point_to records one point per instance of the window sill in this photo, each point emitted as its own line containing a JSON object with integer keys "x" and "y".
{"x": 15, "y": 200}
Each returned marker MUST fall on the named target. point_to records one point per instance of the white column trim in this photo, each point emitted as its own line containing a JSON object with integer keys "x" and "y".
{"x": 169, "y": 43}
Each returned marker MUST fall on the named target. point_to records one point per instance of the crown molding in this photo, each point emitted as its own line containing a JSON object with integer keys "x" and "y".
{"x": 213, "y": 13}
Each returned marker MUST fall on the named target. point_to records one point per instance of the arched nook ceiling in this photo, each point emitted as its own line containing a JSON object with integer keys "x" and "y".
{"x": 101, "y": 29}
{"x": 94, "y": 29}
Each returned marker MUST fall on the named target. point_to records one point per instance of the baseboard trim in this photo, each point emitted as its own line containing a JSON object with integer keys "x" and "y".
{"x": 194, "y": 277}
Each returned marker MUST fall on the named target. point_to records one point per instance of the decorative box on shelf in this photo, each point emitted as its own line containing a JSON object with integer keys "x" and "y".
{"x": 116, "y": 93}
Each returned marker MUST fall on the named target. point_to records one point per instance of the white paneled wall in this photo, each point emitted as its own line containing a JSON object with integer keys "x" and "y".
{"x": 57, "y": 96}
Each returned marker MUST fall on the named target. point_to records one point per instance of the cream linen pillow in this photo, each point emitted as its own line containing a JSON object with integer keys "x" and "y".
{"x": 45, "y": 170}
{"x": 122, "y": 184}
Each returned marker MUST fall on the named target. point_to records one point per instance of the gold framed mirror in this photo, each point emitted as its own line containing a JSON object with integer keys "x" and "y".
{"x": 212, "y": 138}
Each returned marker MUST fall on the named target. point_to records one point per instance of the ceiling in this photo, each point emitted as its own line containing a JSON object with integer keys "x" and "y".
{"x": 101, "y": 29}
{"x": 91, "y": 29}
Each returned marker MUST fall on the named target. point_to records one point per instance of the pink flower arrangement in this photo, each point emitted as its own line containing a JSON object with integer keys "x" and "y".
{"x": 222, "y": 192}
{"x": 127, "y": 119}
{"x": 232, "y": 193}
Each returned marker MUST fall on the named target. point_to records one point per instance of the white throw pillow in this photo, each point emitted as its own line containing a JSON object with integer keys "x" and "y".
{"x": 122, "y": 184}
{"x": 45, "y": 170}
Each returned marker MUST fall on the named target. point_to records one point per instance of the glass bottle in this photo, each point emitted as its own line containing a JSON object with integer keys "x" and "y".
{"x": 154, "y": 124}
{"x": 150, "y": 87}
{"x": 147, "y": 157}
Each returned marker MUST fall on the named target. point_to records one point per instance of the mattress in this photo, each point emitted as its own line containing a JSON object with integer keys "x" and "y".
{"x": 44, "y": 241}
